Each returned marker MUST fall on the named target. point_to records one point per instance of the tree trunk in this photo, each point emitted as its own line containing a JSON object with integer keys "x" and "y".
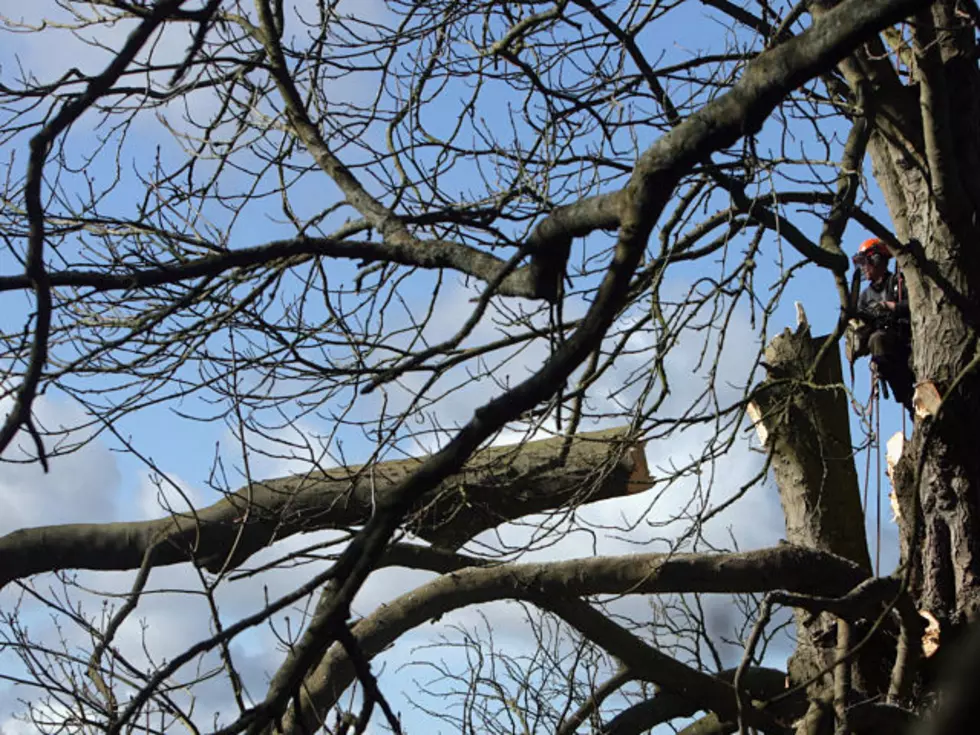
{"x": 933, "y": 194}
{"x": 805, "y": 420}
{"x": 802, "y": 417}
{"x": 925, "y": 153}
{"x": 498, "y": 484}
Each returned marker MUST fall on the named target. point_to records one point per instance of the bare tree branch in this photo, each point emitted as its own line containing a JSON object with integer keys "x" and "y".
{"x": 35, "y": 270}
{"x": 498, "y": 484}
{"x": 554, "y": 584}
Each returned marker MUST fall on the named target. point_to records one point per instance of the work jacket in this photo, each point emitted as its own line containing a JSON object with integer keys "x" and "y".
{"x": 871, "y": 304}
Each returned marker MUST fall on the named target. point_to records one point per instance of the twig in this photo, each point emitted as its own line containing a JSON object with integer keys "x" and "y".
{"x": 366, "y": 677}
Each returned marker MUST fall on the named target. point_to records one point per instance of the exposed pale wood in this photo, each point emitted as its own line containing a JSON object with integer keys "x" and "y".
{"x": 755, "y": 416}
{"x": 894, "y": 448}
{"x": 931, "y": 634}
{"x": 926, "y": 399}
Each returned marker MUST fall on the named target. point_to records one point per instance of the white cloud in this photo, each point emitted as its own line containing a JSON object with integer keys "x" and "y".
{"x": 81, "y": 486}
{"x": 160, "y": 495}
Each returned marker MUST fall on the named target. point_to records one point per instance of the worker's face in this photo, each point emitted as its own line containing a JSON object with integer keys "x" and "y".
{"x": 874, "y": 269}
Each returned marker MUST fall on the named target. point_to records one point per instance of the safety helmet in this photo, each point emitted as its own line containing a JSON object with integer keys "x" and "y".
{"x": 870, "y": 250}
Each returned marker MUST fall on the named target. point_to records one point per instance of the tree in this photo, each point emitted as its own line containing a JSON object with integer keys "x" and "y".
{"x": 322, "y": 229}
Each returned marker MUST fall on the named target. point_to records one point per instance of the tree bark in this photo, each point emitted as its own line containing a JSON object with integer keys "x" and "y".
{"x": 498, "y": 484}
{"x": 932, "y": 191}
{"x": 925, "y": 153}
{"x": 804, "y": 420}
{"x": 802, "y": 417}
{"x": 556, "y": 584}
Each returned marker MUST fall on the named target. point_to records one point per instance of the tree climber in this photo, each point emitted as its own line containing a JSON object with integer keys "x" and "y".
{"x": 882, "y": 327}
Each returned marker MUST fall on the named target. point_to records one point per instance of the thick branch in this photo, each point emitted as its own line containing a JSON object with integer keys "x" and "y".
{"x": 758, "y": 208}
{"x": 937, "y": 134}
{"x": 803, "y": 421}
{"x": 430, "y": 254}
{"x": 870, "y": 69}
{"x": 702, "y": 689}
{"x": 757, "y": 571}
{"x": 498, "y": 484}
{"x": 549, "y": 243}
{"x": 759, "y": 683}
{"x": 802, "y": 418}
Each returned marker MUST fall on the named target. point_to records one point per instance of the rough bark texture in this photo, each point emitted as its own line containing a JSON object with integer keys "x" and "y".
{"x": 801, "y": 412}
{"x": 498, "y": 484}
{"x": 959, "y": 708}
{"x": 925, "y": 153}
{"x": 807, "y": 429}
{"x": 932, "y": 190}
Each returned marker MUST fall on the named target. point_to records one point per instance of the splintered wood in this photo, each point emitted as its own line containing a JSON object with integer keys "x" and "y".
{"x": 893, "y": 452}
{"x": 755, "y": 416}
{"x": 926, "y": 399}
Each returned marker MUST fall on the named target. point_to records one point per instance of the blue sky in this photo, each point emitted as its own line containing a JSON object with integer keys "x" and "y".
{"x": 101, "y": 483}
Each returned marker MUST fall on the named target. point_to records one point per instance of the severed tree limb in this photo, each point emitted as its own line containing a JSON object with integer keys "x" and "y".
{"x": 498, "y": 484}
{"x": 802, "y": 418}
{"x": 552, "y": 585}
{"x": 804, "y": 423}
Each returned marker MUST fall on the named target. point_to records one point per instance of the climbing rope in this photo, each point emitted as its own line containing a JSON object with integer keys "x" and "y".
{"x": 873, "y": 412}
{"x": 869, "y": 412}
{"x": 877, "y": 407}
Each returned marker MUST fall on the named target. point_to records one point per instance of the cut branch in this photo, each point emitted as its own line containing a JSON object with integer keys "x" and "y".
{"x": 497, "y": 485}
{"x": 801, "y": 414}
{"x": 804, "y": 421}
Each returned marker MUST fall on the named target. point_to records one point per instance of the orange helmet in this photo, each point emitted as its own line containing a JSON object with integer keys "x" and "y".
{"x": 872, "y": 247}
